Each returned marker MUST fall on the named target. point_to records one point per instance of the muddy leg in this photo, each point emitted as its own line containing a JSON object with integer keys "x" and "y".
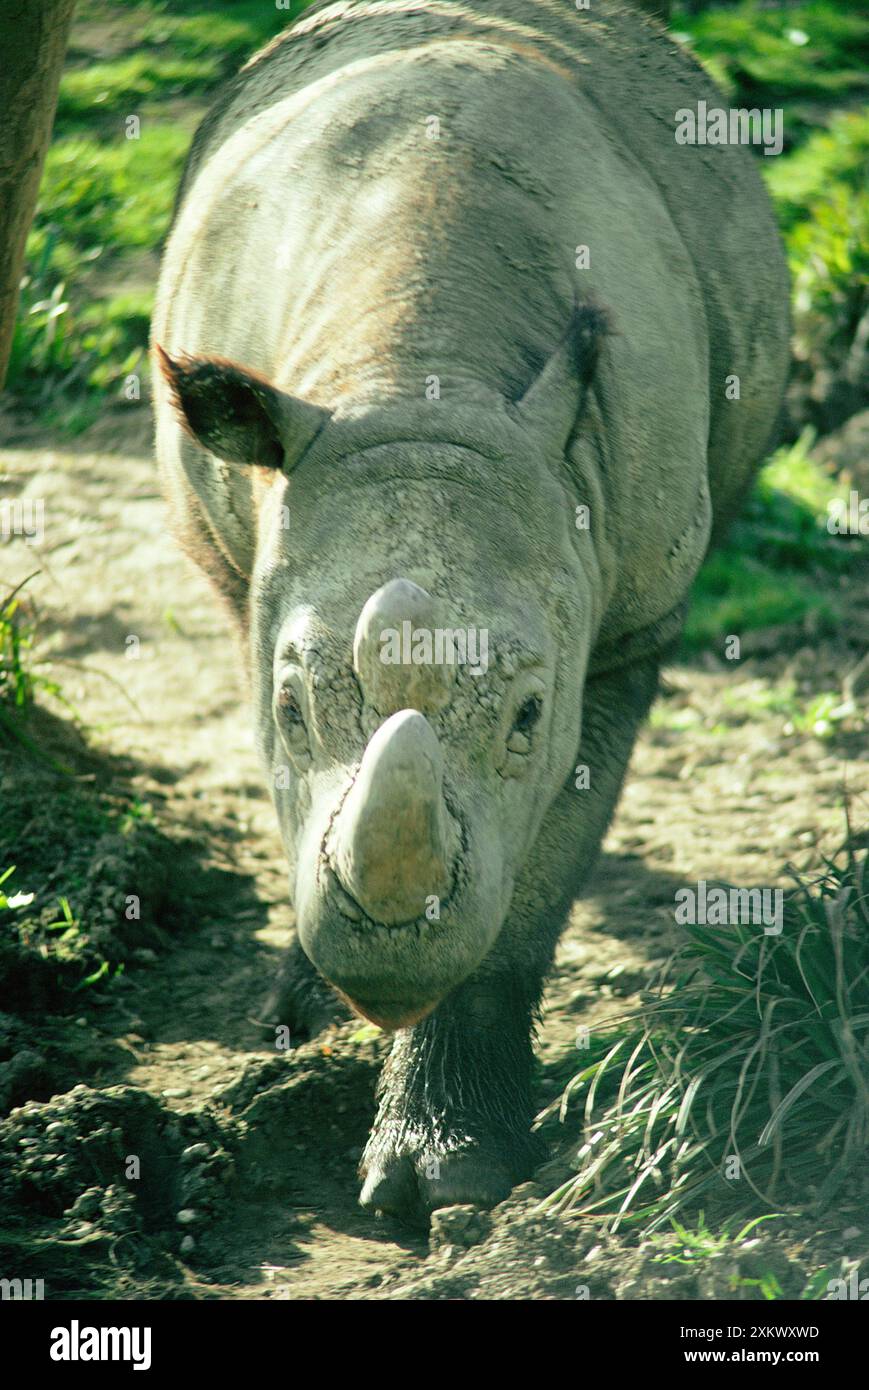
{"x": 455, "y": 1105}
{"x": 301, "y": 999}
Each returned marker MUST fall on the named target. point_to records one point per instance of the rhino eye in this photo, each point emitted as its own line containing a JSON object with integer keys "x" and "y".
{"x": 519, "y": 739}
{"x": 528, "y": 715}
{"x": 289, "y": 708}
{"x": 290, "y": 718}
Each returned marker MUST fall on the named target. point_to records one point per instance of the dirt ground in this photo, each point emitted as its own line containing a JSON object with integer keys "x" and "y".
{"x": 247, "y": 1184}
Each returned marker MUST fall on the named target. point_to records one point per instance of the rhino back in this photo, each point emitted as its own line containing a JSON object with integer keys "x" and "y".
{"x": 624, "y": 63}
{"x": 324, "y": 238}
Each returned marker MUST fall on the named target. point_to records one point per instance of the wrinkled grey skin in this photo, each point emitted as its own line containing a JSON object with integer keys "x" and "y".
{"x": 329, "y": 258}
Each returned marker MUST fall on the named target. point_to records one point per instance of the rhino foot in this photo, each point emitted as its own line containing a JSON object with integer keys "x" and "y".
{"x": 301, "y": 1000}
{"x": 412, "y": 1181}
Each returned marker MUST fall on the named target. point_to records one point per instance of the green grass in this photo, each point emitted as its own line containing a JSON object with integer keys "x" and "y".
{"x": 780, "y": 563}
{"x": 22, "y": 677}
{"x": 67, "y": 945}
{"x": 96, "y": 876}
{"x": 58, "y": 955}
{"x": 746, "y": 1083}
{"x": 12, "y": 902}
{"x": 834, "y": 154}
{"x": 736, "y": 594}
{"x": 824, "y": 715}
{"x": 697, "y": 1248}
{"x": 820, "y": 715}
{"x": 112, "y": 197}
{"x": 813, "y": 62}
{"x": 100, "y": 204}
{"x": 106, "y": 200}
{"x": 123, "y": 87}
{"x": 16, "y": 637}
{"x": 821, "y": 199}
{"x": 829, "y": 260}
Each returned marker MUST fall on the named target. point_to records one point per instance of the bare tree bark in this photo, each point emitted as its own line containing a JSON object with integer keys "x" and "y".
{"x": 33, "y": 35}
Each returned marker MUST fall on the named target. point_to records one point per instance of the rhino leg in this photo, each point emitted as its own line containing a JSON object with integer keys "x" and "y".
{"x": 300, "y": 999}
{"x": 456, "y": 1105}
{"x": 456, "y": 1096}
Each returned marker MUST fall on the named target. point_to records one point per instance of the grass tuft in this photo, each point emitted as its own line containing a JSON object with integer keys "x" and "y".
{"x": 747, "y": 1080}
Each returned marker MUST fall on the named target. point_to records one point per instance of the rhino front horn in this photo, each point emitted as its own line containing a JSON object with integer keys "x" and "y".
{"x": 392, "y": 844}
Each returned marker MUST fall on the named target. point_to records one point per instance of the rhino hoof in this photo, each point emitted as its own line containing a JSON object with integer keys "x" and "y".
{"x": 410, "y": 1187}
{"x": 300, "y": 999}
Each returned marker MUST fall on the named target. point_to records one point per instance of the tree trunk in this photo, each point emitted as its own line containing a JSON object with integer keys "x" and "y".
{"x": 33, "y": 35}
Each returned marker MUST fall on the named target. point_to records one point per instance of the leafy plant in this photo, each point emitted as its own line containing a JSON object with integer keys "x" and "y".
{"x": 20, "y": 678}
{"x": 698, "y": 1245}
{"x": 771, "y": 569}
{"x": 751, "y": 1064}
{"x": 763, "y": 54}
{"x": 829, "y": 258}
{"x": 834, "y": 156}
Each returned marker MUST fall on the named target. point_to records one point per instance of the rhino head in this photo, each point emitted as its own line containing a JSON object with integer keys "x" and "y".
{"x": 422, "y": 607}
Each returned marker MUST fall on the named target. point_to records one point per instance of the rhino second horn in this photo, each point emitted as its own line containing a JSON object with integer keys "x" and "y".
{"x": 387, "y": 686}
{"x": 392, "y": 844}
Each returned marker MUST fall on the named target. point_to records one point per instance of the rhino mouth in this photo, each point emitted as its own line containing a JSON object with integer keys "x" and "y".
{"x": 387, "y": 1013}
{"x": 389, "y": 1000}
{"x": 394, "y": 968}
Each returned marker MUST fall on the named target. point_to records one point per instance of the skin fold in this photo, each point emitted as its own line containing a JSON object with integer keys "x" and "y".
{"x": 446, "y": 334}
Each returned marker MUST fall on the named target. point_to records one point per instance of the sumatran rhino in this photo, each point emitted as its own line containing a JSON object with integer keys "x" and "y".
{"x": 461, "y": 357}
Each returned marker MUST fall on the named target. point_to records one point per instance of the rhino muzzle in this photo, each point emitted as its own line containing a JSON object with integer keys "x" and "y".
{"x": 393, "y": 844}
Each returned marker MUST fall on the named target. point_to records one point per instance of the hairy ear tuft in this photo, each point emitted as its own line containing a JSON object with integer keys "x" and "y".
{"x": 238, "y": 415}
{"x": 589, "y": 325}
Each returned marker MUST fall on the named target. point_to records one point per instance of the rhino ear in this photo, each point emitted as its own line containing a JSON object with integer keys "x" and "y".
{"x": 236, "y": 414}
{"x": 551, "y": 404}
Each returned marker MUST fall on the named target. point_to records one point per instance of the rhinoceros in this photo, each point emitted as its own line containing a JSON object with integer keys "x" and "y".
{"x": 461, "y": 360}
